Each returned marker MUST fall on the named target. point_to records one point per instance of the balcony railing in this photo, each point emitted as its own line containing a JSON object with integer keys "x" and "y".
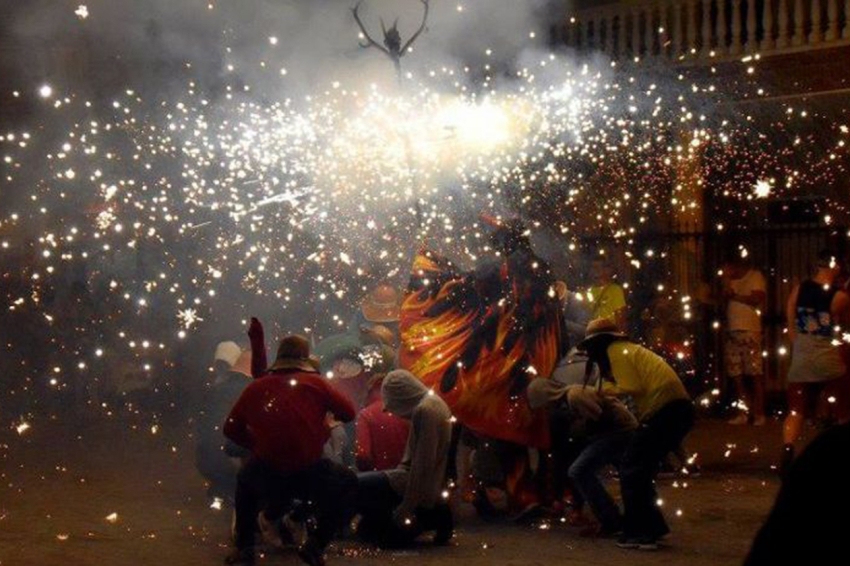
{"x": 693, "y": 29}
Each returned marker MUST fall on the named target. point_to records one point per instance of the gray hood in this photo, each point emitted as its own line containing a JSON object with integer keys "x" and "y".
{"x": 402, "y": 392}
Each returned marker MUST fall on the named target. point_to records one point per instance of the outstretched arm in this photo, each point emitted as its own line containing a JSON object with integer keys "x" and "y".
{"x": 259, "y": 362}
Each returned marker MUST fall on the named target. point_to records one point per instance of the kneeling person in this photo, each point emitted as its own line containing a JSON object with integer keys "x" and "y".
{"x": 281, "y": 419}
{"x": 399, "y": 504}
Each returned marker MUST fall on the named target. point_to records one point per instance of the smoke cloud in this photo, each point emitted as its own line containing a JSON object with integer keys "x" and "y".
{"x": 283, "y": 46}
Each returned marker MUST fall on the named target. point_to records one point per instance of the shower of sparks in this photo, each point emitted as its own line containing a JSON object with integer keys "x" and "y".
{"x": 200, "y": 206}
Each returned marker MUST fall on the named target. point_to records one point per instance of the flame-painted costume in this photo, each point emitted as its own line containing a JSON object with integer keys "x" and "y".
{"x": 478, "y": 338}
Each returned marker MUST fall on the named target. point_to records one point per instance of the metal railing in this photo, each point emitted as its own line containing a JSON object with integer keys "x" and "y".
{"x": 703, "y": 29}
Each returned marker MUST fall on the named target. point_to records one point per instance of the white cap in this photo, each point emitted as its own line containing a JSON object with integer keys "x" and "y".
{"x": 228, "y": 352}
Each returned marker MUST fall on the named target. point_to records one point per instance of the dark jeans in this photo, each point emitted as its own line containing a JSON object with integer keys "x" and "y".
{"x": 330, "y": 489}
{"x": 565, "y": 450}
{"x": 376, "y": 501}
{"x": 584, "y": 472}
{"x": 654, "y": 438}
{"x": 218, "y": 460}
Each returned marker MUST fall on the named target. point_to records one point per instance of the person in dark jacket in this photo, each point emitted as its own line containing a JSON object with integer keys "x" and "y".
{"x": 281, "y": 419}
{"x": 217, "y": 458}
{"x": 800, "y": 529}
{"x": 603, "y": 426}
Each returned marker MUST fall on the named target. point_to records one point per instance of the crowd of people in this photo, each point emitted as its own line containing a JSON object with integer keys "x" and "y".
{"x": 449, "y": 391}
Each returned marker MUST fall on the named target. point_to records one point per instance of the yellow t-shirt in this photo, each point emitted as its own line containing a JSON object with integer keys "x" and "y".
{"x": 645, "y": 376}
{"x": 606, "y": 300}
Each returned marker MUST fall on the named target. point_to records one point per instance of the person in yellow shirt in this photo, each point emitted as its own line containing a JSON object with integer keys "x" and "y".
{"x": 666, "y": 415}
{"x": 606, "y": 298}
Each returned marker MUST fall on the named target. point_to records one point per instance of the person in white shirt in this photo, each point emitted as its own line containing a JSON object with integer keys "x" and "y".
{"x": 745, "y": 291}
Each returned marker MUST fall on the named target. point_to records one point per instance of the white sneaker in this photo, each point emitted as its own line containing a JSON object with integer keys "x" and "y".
{"x": 741, "y": 419}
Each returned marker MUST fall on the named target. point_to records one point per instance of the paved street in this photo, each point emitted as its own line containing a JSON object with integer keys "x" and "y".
{"x": 123, "y": 495}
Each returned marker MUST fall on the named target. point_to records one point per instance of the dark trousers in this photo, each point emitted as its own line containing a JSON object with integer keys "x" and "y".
{"x": 565, "y": 450}
{"x": 376, "y": 501}
{"x": 654, "y": 438}
{"x": 218, "y": 467}
{"x": 328, "y": 489}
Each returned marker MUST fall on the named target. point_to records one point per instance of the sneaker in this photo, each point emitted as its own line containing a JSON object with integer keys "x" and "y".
{"x": 638, "y": 543}
{"x": 760, "y": 421}
{"x": 740, "y": 419}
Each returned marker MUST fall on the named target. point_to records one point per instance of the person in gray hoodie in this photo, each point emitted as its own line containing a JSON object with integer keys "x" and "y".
{"x": 399, "y": 504}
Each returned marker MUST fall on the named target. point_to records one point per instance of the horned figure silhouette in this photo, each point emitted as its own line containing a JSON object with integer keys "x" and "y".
{"x": 392, "y": 46}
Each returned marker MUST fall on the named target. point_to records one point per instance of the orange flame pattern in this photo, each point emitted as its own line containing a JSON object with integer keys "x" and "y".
{"x": 483, "y": 380}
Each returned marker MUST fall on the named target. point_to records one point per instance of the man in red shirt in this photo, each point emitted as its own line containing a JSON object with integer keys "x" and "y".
{"x": 381, "y": 436}
{"x": 280, "y": 418}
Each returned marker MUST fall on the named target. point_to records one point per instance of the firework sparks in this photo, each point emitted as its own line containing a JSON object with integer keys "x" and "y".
{"x": 763, "y": 188}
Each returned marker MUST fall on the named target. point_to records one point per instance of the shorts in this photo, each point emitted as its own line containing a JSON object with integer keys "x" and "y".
{"x": 742, "y": 353}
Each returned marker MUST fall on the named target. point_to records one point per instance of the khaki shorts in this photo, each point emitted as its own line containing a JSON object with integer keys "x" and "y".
{"x": 742, "y": 353}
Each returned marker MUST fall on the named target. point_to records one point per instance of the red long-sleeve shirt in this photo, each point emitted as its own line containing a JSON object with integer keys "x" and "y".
{"x": 381, "y": 438}
{"x": 281, "y": 418}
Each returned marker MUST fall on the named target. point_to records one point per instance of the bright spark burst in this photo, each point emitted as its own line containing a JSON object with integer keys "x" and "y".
{"x": 763, "y": 188}
{"x": 82, "y": 11}
{"x": 188, "y": 318}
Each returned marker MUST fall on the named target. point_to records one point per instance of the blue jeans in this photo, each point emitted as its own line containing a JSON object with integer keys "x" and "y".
{"x": 601, "y": 452}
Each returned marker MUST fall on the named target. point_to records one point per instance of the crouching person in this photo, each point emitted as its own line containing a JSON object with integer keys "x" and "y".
{"x": 665, "y": 414}
{"x": 398, "y": 505}
{"x": 281, "y": 419}
{"x": 603, "y": 426}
